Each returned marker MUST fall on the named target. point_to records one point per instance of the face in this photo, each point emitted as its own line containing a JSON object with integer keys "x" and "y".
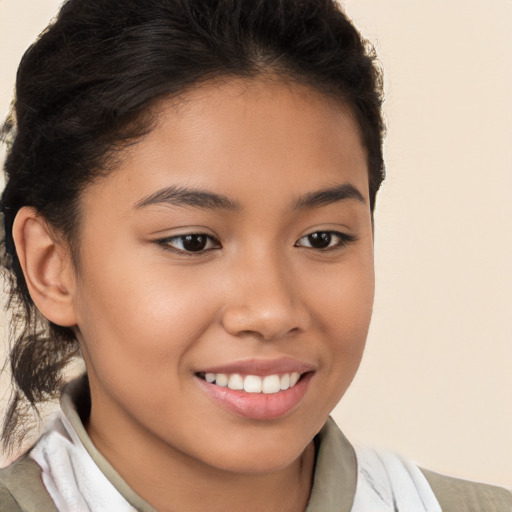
{"x": 227, "y": 256}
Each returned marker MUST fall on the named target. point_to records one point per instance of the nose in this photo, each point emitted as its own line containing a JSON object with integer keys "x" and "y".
{"x": 264, "y": 300}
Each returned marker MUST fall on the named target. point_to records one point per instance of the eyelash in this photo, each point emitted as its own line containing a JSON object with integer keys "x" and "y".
{"x": 166, "y": 243}
{"x": 343, "y": 241}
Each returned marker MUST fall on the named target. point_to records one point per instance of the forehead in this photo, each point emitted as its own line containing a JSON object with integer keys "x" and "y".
{"x": 241, "y": 137}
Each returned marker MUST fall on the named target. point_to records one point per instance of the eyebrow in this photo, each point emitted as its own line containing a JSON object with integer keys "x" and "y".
{"x": 329, "y": 196}
{"x": 182, "y": 196}
{"x": 197, "y": 198}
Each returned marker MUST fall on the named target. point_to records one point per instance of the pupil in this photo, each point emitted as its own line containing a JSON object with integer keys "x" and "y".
{"x": 194, "y": 242}
{"x": 320, "y": 240}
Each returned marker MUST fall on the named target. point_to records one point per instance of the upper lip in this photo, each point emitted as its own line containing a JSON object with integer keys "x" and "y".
{"x": 262, "y": 367}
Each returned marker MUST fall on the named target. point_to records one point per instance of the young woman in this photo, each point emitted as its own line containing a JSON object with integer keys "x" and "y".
{"x": 189, "y": 206}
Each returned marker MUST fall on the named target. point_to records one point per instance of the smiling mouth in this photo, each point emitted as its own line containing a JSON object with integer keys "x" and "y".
{"x": 269, "y": 384}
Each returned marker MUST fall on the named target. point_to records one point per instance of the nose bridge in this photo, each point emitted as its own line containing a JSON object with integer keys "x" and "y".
{"x": 263, "y": 300}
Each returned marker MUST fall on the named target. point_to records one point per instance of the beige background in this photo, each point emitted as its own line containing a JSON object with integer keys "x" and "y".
{"x": 436, "y": 381}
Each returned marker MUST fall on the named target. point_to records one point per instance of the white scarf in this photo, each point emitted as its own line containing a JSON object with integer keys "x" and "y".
{"x": 385, "y": 482}
{"x": 389, "y": 483}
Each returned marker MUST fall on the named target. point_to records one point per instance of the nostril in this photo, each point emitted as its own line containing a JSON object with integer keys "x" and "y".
{"x": 266, "y": 323}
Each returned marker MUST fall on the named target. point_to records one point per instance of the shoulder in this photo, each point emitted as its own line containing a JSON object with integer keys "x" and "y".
{"x": 7, "y": 501}
{"x": 456, "y": 495}
{"x": 21, "y": 488}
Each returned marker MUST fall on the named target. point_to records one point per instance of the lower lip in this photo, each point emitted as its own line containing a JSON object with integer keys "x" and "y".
{"x": 258, "y": 406}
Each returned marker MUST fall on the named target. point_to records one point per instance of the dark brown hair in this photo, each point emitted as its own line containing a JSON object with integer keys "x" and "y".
{"x": 83, "y": 92}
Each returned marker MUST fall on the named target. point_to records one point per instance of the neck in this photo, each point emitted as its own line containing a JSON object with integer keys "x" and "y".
{"x": 171, "y": 480}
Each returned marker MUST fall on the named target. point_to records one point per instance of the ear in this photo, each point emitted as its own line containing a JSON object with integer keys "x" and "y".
{"x": 47, "y": 267}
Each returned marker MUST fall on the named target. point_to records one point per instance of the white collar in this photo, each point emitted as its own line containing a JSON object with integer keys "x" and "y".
{"x": 79, "y": 479}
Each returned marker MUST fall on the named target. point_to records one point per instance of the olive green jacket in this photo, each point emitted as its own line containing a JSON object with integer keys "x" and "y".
{"x": 334, "y": 487}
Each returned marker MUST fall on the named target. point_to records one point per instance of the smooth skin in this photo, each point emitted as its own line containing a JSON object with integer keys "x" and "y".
{"x": 152, "y": 309}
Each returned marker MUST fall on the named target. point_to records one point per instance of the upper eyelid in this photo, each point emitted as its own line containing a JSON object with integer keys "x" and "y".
{"x": 341, "y": 234}
{"x": 215, "y": 238}
{"x": 165, "y": 242}
{"x": 345, "y": 238}
{"x": 188, "y": 233}
{"x": 191, "y": 233}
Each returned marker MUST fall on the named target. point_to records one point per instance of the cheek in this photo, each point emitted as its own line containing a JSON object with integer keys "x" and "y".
{"x": 136, "y": 316}
{"x": 139, "y": 337}
{"x": 344, "y": 311}
{"x": 344, "y": 304}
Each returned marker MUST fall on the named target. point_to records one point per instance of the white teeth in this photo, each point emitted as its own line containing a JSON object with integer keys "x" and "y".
{"x": 221, "y": 379}
{"x": 271, "y": 384}
{"x": 252, "y": 383}
{"x": 285, "y": 381}
{"x": 235, "y": 382}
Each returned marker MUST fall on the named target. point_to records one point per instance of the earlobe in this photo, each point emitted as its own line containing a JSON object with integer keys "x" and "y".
{"x": 46, "y": 266}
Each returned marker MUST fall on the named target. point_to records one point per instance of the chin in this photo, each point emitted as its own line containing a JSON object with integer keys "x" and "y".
{"x": 259, "y": 463}
{"x": 264, "y": 456}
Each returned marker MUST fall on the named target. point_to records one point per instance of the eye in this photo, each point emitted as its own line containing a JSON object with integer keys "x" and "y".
{"x": 190, "y": 243}
{"x": 325, "y": 240}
